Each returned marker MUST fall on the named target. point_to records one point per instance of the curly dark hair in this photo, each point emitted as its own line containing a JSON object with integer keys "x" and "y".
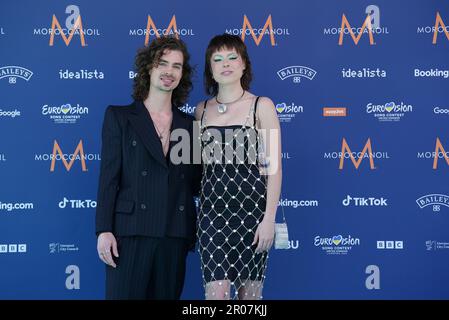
{"x": 148, "y": 57}
{"x": 229, "y": 42}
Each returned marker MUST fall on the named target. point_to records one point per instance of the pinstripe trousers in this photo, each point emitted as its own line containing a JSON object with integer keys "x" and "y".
{"x": 147, "y": 268}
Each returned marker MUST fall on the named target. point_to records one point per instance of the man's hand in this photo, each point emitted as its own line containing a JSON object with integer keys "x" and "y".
{"x": 106, "y": 241}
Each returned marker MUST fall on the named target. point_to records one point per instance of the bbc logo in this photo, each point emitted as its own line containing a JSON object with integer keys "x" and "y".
{"x": 390, "y": 244}
{"x": 13, "y": 248}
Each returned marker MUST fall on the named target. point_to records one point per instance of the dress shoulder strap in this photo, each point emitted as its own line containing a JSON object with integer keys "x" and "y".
{"x": 204, "y": 109}
{"x": 255, "y": 112}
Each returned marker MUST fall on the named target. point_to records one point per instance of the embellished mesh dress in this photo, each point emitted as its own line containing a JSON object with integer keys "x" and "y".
{"x": 232, "y": 203}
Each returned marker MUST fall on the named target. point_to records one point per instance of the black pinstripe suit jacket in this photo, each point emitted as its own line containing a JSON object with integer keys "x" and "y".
{"x": 140, "y": 192}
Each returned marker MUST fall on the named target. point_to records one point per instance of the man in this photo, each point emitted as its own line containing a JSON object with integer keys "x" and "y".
{"x": 146, "y": 215}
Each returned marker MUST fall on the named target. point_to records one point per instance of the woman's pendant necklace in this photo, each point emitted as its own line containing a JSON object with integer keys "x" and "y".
{"x": 222, "y": 107}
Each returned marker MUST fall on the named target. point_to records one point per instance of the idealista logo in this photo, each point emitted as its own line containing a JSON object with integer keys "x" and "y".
{"x": 77, "y": 204}
{"x": 65, "y": 114}
{"x": 297, "y": 72}
{"x": 388, "y": 112}
{"x": 82, "y": 74}
{"x": 363, "y": 73}
{"x": 439, "y": 153}
{"x": 59, "y": 155}
{"x": 287, "y": 112}
{"x": 257, "y": 34}
{"x": 364, "y": 202}
{"x": 56, "y": 247}
{"x": 14, "y": 72}
{"x": 439, "y": 27}
{"x": 153, "y": 30}
{"x": 13, "y": 248}
{"x": 346, "y": 153}
{"x": 390, "y": 244}
{"x": 435, "y": 200}
{"x": 337, "y": 244}
{"x": 370, "y": 26}
{"x": 73, "y": 26}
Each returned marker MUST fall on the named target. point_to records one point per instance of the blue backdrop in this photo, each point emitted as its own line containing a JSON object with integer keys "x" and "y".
{"x": 361, "y": 91}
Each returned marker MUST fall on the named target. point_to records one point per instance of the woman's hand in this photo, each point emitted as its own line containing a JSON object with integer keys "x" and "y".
{"x": 264, "y": 235}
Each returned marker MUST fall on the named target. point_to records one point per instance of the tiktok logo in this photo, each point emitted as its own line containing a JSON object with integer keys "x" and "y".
{"x": 365, "y": 202}
{"x": 77, "y": 204}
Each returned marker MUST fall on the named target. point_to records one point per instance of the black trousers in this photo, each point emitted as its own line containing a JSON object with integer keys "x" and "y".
{"x": 147, "y": 268}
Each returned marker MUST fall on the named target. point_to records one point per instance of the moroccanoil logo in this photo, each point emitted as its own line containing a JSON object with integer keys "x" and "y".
{"x": 77, "y": 26}
{"x": 346, "y": 26}
{"x": 439, "y": 153}
{"x": 371, "y": 26}
{"x": 356, "y": 157}
{"x": 78, "y": 151}
{"x": 152, "y": 30}
{"x": 73, "y": 26}
{"x": 258, "y": 33}
{"x": 439, "y": 27}
{"x": 247, "y": 26}
{"x": 345, "y": 149}
{"x": 68, "y": 160}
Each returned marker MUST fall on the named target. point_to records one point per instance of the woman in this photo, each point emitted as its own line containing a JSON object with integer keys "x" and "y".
{"x": 238, "y": 199}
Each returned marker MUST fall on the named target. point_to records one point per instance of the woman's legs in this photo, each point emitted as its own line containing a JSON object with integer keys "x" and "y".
{"x": 250, "y": 290}
{"x": 218, "y": 290}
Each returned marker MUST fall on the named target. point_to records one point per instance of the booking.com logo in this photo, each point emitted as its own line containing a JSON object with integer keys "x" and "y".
{"x": 77, "y": 204}
{"x": 10, "y": 206}
{"x": 297, "y": 203}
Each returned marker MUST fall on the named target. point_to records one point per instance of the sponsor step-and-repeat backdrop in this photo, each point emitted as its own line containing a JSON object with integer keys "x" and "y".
{"x": 361, "y": 91}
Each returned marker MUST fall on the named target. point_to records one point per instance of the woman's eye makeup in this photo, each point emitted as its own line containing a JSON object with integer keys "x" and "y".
{"x": 219, "y": 58}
